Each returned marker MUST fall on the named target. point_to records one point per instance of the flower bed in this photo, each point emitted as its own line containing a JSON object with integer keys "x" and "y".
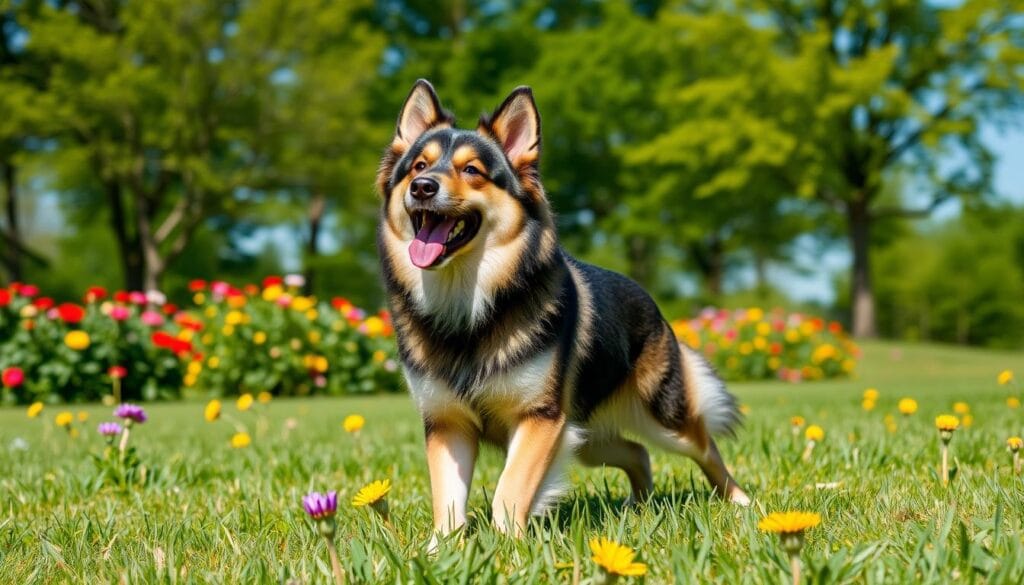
{"x": 748, "y": 344}
{"x": 229, "y": 341}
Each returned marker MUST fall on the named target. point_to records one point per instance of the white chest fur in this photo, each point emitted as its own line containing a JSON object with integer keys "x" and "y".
{"x": 505, "y": 396}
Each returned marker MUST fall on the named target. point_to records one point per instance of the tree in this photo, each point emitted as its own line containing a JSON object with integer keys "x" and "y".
{"x": 897, "y": 87}
{"x": 25, "y": 122}
{"x": 147, "y": 105}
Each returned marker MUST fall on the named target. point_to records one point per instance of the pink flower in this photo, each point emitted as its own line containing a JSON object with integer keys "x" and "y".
{"x": 137, "y": 298}
{"x": 28, "y": 290}
{"x": 152, "y": 318}
{"x": 120, "y": 313}
{"x": 284, "y": 300}
{"x": 220, "y": 288}
{"x": 13, "y": 377}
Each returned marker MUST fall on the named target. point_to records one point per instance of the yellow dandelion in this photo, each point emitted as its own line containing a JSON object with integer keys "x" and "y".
{"x": 961, "y": 407}
{"x": 1013, "y": 402}
{"x": 868, "y": 405}
{"x": 871, "y": 394}
{"x": 83, "y": 416}
{"x": 615, "y": 559}
{"x": 814, "y": 433}
{"x": 64, "y": 419}
{"x": 77, "y": 340}
{"x": 244, "y": 402}
{"x": 372, "y": 493}
{"x": 789, "y": 522}
{"x": 1015, "y": 443}
{"x": 790, "y": 527}
{"x": 241, "y": 440}
{"x": 907, "y": 406}
{"x": 797, "y": 421}
{"x": 967, "y": 421}
{"x": 890, "y": 424}
{"x": 947, "y": 422}
{"x": 744, "y": 409}
{"x": 353, "y": 423}
{"x": 34, "y": 410}
{"x": 264, "y": 397}
{"x": 212, "y": 410}
{"x": 1004, "y": 377}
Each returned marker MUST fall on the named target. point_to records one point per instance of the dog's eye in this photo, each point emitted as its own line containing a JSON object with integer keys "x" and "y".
{"x": 420, "y": 166}
{"x": 471, "y": 170}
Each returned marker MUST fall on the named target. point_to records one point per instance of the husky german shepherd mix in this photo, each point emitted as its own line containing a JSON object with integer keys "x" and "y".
{"x": 505, "y": 338}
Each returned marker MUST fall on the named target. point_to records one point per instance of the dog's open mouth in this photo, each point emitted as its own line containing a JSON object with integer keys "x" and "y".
{"x": 439, "y": 236}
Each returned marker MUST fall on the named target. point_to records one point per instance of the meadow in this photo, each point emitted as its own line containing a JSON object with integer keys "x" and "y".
{"x": 209, "y": 512}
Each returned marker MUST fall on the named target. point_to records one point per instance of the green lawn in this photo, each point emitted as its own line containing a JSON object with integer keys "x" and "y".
{"x": 211, "y": 513}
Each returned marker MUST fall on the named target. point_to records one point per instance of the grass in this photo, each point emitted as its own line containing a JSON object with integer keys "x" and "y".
{"x": 210, "y": 513}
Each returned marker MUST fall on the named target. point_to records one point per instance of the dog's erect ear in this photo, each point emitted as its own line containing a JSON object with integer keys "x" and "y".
{"x": 421, "y": 112}
{"x": 516, "y": 126}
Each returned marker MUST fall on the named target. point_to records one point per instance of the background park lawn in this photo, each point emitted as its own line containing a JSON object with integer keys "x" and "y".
{"x": 215, "y": 514}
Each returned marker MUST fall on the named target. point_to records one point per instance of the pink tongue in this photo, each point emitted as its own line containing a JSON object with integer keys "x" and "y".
{"x": 429, "y": 243}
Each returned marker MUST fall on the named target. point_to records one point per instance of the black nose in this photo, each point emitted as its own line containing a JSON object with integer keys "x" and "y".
{"x": 424, "y": 188}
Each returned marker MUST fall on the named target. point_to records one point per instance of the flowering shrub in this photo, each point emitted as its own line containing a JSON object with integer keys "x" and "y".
{"x": 748, "y": 344}
{"x": 229, "y": 341}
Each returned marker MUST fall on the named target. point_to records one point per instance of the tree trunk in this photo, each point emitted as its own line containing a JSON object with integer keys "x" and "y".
{"x": 641, "y": 256}
{"x": 12, "y": 251}
{"x": 709, "y": 257}
{"x": 862, "y": 293}
{"x": 317, "y": 207}
{"x": 127, "y": 243}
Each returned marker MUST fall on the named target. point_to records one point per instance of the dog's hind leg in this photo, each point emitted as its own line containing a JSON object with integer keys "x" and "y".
{"x": 698, "y": 445}
{"x": 626, "y": 455}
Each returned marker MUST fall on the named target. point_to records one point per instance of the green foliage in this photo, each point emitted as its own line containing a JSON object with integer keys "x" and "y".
{"x": 960, "y": 282}
{"x": 217, "y": 514}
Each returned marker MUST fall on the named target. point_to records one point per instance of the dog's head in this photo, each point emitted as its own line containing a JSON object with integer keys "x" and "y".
{"x": 450, "y": 192}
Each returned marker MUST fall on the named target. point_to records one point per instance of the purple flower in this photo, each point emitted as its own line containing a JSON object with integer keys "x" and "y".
{"x": 320, "y": 506}
{"x": 131, "y": 412}
{"x": 109, "y": 429}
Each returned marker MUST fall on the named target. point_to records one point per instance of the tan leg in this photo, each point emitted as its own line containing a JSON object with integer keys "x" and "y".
{"x": 535, "y": 442}
{"x": 451, "y": 455}
{"x": 626, "y": 455}
{"x": 714, "y": 469}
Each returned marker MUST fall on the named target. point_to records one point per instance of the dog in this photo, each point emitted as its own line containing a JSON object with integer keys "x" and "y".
{"x": 505, "y": 338}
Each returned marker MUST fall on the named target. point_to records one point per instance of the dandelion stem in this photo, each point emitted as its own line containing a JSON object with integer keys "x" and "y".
{"x": 794, "y": 567}
{"x": 339, "y": 573}
{"x": 808, "y": 450}
{"x": 117, "y": 390}
{"x": 945, "y": 463}
{"x": 1016, "y": 463}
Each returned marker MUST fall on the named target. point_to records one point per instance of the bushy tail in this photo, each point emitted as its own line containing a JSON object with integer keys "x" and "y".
{"x": 714, "y": 403}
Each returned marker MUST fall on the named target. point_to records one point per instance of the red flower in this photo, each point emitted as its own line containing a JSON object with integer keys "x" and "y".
{"x": 122, "y": 297}
{"x": 13, "y": 377}
{"x": 167, "y": 341}
{"x": 187, "y": 322}
{"x": 835, "y": 327}
{"x": 197, "y": 285}
{"x": 170, "y": 309}
{"x": 70, "y": 313}
{"x": 5, "y": 297}
{"x": 775, "y": 348}
{"x": 43, "y": 303}
{"x": 340, "y": 302}
{"x": 117, "y": 372}
{"x": 251, "y": 290}
{"x": 271, "y": 281}
{"x": 26, "y": 290}
{"x": 95, "y": 293}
